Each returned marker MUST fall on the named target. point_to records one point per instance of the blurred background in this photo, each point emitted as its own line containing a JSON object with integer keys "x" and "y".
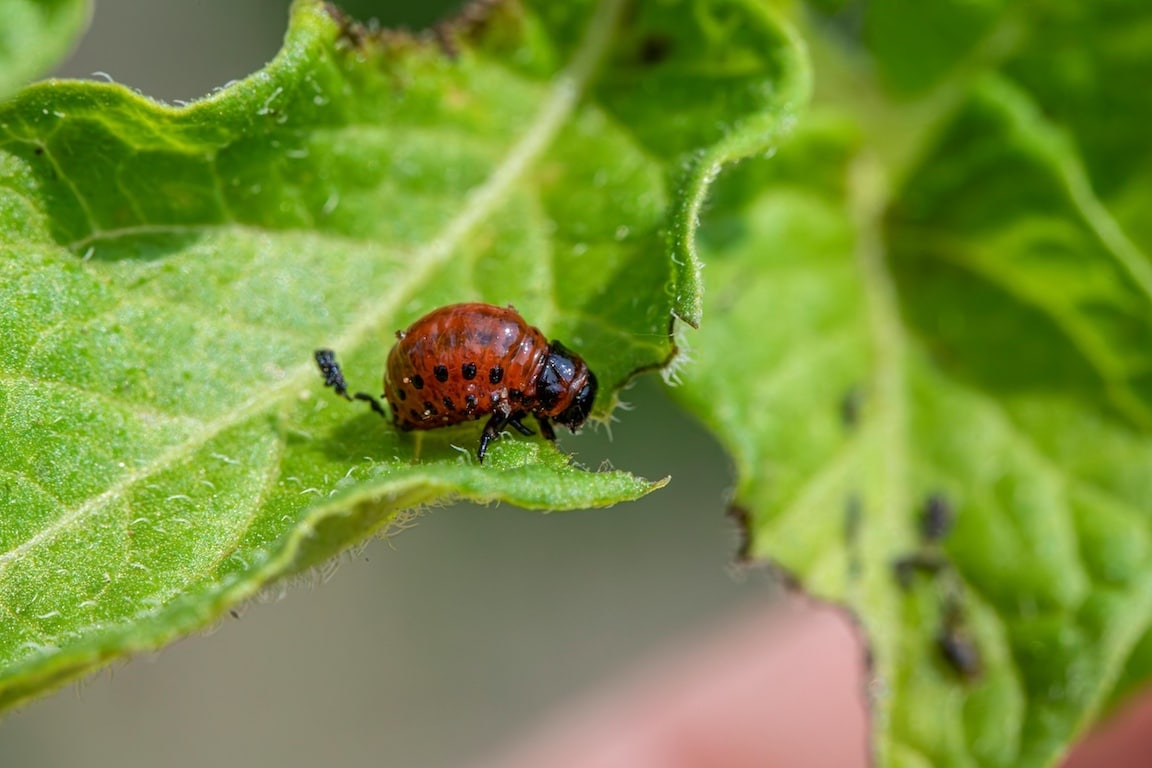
{"x": 450, "y": 639}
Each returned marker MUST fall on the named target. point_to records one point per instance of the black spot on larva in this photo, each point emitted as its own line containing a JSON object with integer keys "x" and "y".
{"x": 496, "y": 397}
{"x": 430, "y": 409}
{"x": 441, "y": 373}
{"x": 416, "y": 414}
{"x": 515, "y": 394}
{"x": 496, "y": 375}
{"x": 402, "y": 394}
{"x": 468, "y": 370}
{"x": 449, "y": 404}
{"x": 470, "y": 403}
{"x": 417, "y": 382}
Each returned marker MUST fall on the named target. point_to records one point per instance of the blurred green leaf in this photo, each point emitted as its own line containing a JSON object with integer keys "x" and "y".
{"x": 34, "y": 37}
{"x": 166, "y": 273}
{"x": 917, "y": 45}
{"x": 950, "y": 296}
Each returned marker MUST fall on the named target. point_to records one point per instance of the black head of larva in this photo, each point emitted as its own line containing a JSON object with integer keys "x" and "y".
{"x": 577, "y": 413}
{"x": 566, "y": 387}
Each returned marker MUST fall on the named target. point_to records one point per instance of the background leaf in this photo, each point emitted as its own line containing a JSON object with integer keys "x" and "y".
{"x": 35, "y": 35}
{"x": 167, "y": 272}
{"x": 939, "y": 289}
{"x": 942, "y": 288}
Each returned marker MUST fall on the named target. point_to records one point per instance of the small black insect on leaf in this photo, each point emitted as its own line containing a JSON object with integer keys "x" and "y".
{"x": 937, "y": 518}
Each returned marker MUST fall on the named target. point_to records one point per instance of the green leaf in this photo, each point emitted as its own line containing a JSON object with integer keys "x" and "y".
{"x": 35, "y": 35}
{"x": 951, "y": 297}
{"x": 166, "y": 273}
{"x": 918, "y": 45}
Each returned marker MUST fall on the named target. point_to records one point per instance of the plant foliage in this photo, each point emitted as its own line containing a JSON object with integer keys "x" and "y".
{"x": 165, "y": 274}
{"x": 936, "y": 300}
{"x": 925, "y": 337}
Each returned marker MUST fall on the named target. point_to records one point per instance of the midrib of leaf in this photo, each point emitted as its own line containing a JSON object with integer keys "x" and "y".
{"x": 889, "y": 399}
{"x": 868, "y": 199}
{"x": 564, "y": 94}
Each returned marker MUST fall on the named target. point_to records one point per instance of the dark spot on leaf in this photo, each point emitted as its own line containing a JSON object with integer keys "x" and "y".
{"x": 355, "y": 34}
{"x": 654, "y": 49}
{"x": 352, "y": 32}
{"x": 469, "y": 25}
{"x": 853, "y": 512}
{"x": 960, "y": 651}
{"x": 742, "y": 518}
{"x": 850, "y": 407}
{"x": 937, "y": 518}
{"x": 908, "y": 566}
{"x": 853, "y": 516}
{"x": 446, "y": 39}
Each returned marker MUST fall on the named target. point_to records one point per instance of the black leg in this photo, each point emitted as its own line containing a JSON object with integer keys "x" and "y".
{"x": 334, "y": 377}
{"x": 514, "y": 422}
{"x": 499, "y": 418}
{"x": 373, "y": 402}
{"x": 546, "y": 428}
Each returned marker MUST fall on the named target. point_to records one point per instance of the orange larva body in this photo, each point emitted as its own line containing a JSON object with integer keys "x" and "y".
{"x": 467, "y": 361}
{"x": 458, "y": 362}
